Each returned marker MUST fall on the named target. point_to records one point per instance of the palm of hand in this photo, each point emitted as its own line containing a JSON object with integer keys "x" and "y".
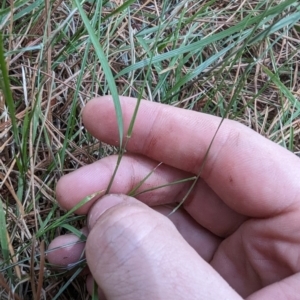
{"x": 257, "y": 256}
{"x": 243, "y": 214}
{"x": 261, "y": 253}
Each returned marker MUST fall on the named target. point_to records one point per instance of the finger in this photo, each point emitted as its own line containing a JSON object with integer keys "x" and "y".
{"x": 203, "y": 204}
{"x": 192, "y": 232}
{"x": 66, "y": 250}
{"x": 73, "y": 187}
{"x": 287, "y": 288}
{"x": 246, "y": 170}
{"x": 136, "y": 253}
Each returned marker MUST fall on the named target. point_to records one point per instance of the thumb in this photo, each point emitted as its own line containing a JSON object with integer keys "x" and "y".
{"x": 134, "y": 252}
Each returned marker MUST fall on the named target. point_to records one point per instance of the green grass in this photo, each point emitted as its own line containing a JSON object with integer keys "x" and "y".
{"x": 238, "y": 60}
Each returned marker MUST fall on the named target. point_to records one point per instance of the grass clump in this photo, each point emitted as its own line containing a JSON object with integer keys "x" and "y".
{"x": 232, "y": 59}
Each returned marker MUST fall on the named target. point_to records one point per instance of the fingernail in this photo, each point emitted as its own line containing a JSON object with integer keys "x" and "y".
{"x": 101, "y": 206}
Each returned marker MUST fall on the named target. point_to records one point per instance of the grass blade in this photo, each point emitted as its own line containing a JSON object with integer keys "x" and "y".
{"x": 106, "y": 69}
{"x": 3, "y": 236}
{"x": 5, "y": 86}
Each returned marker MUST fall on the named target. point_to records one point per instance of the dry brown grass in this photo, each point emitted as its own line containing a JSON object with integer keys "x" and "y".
{"x": 54, "y": 71}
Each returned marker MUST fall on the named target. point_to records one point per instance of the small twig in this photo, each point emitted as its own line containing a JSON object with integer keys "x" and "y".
{"x": 41, "y": 271}
{"x": 32, "y": 277}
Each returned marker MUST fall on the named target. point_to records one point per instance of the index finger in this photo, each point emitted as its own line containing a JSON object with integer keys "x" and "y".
{"x": 250, "y": 173}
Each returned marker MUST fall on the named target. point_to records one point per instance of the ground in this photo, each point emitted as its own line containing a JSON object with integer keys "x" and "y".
{"x": 234, "y": 59}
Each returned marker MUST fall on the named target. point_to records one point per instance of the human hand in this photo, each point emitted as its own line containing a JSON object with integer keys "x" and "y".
{"x": 241, "y": 220}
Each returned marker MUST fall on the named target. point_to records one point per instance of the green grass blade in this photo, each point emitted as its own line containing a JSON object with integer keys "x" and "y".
{"x": 133, "y": 194}
{"x": 5, "y": 86}
{"x": 133, "y": 191}
{"x": 274, "y": 78}
{"x": 121, "y": 8}
{"x": 75, "y": 231}
{"x": 246, "y": 22}
{"x": 95, "y": 291}
{"x": 291, "y": 139}
{"x": 106, "y": 69}
{"x": 62, "y": 219}
{"x": 70, "y": 280}
{"x": 3, "y": 236}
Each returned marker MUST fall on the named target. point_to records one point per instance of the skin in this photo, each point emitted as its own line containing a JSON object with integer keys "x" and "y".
{"x": 237, "y": 234}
